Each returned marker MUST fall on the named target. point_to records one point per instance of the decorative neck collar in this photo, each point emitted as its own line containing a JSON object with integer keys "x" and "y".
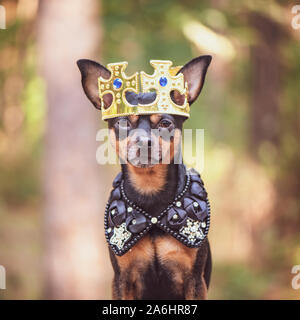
{"x": 187, "y": 218}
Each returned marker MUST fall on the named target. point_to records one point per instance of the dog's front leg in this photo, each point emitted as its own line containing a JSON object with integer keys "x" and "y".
{"x": 195, "y": 289}
{"x": 128, "y": 285}
{"x": 130, "y": 269}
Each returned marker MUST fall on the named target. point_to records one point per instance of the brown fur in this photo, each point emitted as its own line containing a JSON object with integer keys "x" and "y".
{"x": 179, "y": 260}
{"x": 148, "y": 180}
{"x": 155, "y": 118}
{"x": 132, "y": 266}
{"x": 120, "y": 146}
{"x": 172, "y": 146}
{"x": 133, "y": 119}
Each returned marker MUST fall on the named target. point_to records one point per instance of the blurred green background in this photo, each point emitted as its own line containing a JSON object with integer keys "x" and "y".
{"x": 249, "y": 108}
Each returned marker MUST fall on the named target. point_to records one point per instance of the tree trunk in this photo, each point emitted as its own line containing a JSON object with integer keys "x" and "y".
{"x": 268, "y": 71}
{"x": 74, "y": 196}
{"x": 266, "y": 81}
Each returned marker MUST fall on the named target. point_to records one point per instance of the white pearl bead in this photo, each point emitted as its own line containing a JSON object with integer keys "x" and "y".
{"x": 154, "y": 220}
{"x": 178, "y": 204}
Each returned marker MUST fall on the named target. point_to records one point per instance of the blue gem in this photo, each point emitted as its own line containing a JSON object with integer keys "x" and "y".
{"x": 163, "y": 81}
{"x": 117, "y": 83}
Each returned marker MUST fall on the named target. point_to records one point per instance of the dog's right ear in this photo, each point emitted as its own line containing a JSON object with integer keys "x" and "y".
{"x": 194, "y": 74}
{"x": 90, "y": 72}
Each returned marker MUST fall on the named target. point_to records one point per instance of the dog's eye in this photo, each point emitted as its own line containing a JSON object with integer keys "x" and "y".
{"x": 122, "y": 124}
{"x": 164, "y": 123}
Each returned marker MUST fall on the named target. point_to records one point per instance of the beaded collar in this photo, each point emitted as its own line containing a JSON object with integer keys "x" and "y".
{"x": 187, "y": 218}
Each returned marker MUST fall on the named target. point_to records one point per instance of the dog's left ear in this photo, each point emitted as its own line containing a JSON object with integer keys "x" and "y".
{"x": 194, "y": 74}
{"x": 90, "y": 72}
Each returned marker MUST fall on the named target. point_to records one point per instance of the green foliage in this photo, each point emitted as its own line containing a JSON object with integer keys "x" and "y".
{"x": 238, "y": 281}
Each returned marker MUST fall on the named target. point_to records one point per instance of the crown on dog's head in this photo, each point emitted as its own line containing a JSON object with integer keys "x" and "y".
{"x": 164, "y": 80}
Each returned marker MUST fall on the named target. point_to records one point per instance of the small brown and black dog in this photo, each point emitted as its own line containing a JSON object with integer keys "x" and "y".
{"x": 158, "y": 266}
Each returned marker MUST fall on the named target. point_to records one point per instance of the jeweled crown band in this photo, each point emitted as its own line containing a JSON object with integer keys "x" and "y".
{"x": 164, "y": 80}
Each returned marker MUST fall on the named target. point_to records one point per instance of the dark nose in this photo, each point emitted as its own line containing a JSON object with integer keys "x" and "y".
{"x": 144, "y": 141}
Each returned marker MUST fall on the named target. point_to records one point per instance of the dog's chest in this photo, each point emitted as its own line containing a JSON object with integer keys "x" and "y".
{"x": 158, "y": 252}
{"x": 159, "y": 247}
{"x": 161, "y": 263}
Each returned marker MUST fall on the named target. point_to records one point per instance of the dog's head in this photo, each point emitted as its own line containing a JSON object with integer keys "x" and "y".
{"x": 145, "y": 140}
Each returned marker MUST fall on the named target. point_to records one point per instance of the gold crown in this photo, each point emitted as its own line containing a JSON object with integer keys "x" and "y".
{"x": 164, "y": 80}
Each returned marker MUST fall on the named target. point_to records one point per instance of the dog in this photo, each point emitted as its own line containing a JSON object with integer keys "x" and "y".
{"x": 156, "y": 265}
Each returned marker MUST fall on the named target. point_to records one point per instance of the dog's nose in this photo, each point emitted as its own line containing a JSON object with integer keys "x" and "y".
{"x": 144, "y": 141}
